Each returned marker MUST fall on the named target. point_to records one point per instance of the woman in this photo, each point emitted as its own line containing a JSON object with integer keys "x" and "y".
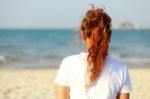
{"x": 93, "y": 74}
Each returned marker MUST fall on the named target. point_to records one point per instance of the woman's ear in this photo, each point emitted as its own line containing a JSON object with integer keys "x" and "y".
{"x": 83, "y": 37}
{"x": 86, "y": 41}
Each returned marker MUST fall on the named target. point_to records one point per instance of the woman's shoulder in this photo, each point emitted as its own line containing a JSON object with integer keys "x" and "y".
{"x": 73, "y": 57}
{"x": 116, "y": 64}
{"x": 117, "y": 68}
{"x": 76, "y": 56}
{"x": 118, "y": 74}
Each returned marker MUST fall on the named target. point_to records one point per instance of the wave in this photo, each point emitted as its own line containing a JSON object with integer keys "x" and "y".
{"x": 137, "y": 60}
{"x": 133, "y": 61}
{"x": 3, "y": 60}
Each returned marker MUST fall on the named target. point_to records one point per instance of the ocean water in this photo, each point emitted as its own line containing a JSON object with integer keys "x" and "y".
{"x": 45, "y": 48}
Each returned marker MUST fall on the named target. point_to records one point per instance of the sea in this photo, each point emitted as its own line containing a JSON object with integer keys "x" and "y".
{"x": 46, "y": 48}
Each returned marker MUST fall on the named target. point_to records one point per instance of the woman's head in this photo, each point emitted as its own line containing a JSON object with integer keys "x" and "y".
{"x": 96, "y": 34}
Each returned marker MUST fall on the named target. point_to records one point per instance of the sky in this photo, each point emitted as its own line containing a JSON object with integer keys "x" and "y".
{"x": 69, "y": 13}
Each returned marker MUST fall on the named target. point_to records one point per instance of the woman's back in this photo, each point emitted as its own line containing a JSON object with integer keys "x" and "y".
{"x": 113, "y": 79}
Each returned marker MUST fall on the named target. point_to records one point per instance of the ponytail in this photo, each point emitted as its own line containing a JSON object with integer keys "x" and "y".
{"x": 99, "y": 24}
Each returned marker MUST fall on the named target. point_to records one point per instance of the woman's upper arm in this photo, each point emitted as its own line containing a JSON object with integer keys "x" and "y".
{"x": 62, "y": 92}
{"x": 126, "y": 87}
{"x": 123, "y": 96}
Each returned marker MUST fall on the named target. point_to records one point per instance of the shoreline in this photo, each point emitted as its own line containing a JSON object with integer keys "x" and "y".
{"x": 129, "y": 66}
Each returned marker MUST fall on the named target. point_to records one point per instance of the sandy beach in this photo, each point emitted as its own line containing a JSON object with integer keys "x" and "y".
{"x": 39, "y": 84}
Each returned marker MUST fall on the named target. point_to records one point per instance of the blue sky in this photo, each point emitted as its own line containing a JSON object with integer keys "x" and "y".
{"x": 69, "y": 13}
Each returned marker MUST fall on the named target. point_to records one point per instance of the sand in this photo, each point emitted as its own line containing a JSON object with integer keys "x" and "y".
{"x": 39, "y": 84}
{"x": 27, "y": 84}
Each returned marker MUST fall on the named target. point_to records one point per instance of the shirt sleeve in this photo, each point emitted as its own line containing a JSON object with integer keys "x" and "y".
{"x": 126, "y": 86}
{"x": 62, "y": 74}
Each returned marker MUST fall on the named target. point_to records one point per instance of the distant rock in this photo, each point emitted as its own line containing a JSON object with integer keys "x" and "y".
{"x": 126, "y": 25}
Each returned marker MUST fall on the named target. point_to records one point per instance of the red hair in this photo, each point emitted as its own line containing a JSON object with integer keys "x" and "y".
{"x": 96, "y": 25}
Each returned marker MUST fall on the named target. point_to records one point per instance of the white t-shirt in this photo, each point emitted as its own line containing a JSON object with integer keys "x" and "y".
{"x": 113, "y": 79}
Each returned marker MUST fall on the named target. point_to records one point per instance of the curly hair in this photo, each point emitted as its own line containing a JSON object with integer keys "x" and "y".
{"x": 96, "y": 25}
